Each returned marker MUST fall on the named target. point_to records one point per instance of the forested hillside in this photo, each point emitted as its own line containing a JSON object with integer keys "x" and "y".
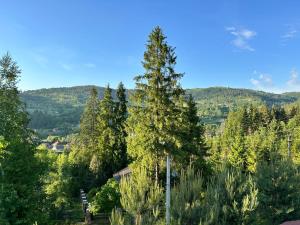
{"x": 214, "y": 103}
{"x": 58, "y": 110}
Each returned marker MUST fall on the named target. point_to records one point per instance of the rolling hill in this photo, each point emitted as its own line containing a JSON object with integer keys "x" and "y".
{"x": 58, "y": 110}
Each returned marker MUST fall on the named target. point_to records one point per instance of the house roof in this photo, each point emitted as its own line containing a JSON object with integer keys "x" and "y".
{"x": 121, "y": 173}
{"x": 297, "y": 222}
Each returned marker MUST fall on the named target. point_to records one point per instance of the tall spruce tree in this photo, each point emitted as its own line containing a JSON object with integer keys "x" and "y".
{"x": 195, "y": 147}
{"x": 88, "y": 128}
{"x": 120, "y": 119}
{"x": 154, "y": 117}
{"x": 103, "y": 158}
{"x": 84, "y": 146}
{"x": 233, "y": 138}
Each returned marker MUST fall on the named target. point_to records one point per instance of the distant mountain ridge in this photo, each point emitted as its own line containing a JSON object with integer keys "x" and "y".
{"x": 58, "y": 110}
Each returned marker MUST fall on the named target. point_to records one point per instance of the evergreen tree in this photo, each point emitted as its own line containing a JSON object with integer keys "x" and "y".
{"x": 141, "y": 198}
{"x": 88, "y": 135}
{"x": 121, "y": 105}
{"x": 278, "y": 196}
{"x": 154, "y": 117}
{"x": 254, "y": 119}
{"x": 233, "y": 138}
{"x": 195, "y": 146}
{"x": 265, "y": 115}
{"x": 230, "y": 198}
{"x": 187, "y": 203}
{"x": 103, "y": 161}
{"x": 121, "y": 116}
{"x": 88, "y": 131}
{"x": 279, "y": 114}
{"x": 85, "y": 145}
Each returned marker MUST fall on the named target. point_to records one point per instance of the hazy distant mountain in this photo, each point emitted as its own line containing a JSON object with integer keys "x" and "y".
{"x": 58, "y": 110}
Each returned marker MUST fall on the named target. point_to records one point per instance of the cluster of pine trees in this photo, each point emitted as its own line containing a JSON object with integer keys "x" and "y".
{"x": 100, "y": 148}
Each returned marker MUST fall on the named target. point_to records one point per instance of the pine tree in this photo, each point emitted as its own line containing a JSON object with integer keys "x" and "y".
{"x": 88, "y": 135}
{"x": 121, "y": 105}
{"x": 279, "y": 114}
{"x": 233, "y": 138}
{"x": 141, "y": 198}
{"x": 154, "y": 117}
{"x": 121, "y": 116}
{"x": 102, "y": 163}
{"x": 278, "y": 192}
{"x": 195, "y": 145}
{"x": 230, "y": 198}
{"x": 186, "y": 207}
{"x": 254, "y": 119}
{"x": 85, "y": 144}
{"x": 265, "y": 115}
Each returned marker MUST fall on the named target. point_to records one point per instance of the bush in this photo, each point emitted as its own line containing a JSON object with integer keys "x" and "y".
{"x": 107, "y": 198}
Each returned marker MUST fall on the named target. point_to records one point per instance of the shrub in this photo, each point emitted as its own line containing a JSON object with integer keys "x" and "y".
{"x": 107, "y": 198}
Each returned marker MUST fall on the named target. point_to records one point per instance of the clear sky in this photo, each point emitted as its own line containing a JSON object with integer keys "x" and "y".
{"x": 246, "y": 43}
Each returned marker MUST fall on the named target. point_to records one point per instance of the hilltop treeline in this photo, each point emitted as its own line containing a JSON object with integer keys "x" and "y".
{"x": 57, "y": 110}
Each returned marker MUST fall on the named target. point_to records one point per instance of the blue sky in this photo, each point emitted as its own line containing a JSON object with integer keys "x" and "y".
{"x": 247, "y": 43}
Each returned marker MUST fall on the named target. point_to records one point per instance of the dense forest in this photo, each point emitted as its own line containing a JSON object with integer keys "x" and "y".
{"x": 57, "y": 111}
{"x": 247, "y": 172}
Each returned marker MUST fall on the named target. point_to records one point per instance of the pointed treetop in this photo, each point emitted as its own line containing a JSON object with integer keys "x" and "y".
{"x": 94, "y": 92}
{"x": 9, "y": 71}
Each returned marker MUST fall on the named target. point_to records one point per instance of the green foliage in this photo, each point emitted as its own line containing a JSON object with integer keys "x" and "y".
{"x": 194, "y": 148}
{"x": 121, "y": 115}
{"x": 58, "y": 110}
{"x": 107, "y": 198}
{"x": 231, "y": 198}
{"x": 57, "y": 185}
{"x": 3, "y": 145}
{"x": 102, "y": 161}
{"x": 215, "y": 103}
{"x": 21, "y": 196}
{"x": 116, "y": 218}
{"x": 250, "y": 134}
{"x": 141, "y": 198}
{"x": 100, "y": 148}
{"x": 156, "y": 113}
{"x": 258, "y": 185}
{"x": 84, "y": 145}
{"x": 233, "y": 140}
{"x": 278, "y": 186}
{"x": 187, "y": 198}
{"x": 86, "y": 142}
